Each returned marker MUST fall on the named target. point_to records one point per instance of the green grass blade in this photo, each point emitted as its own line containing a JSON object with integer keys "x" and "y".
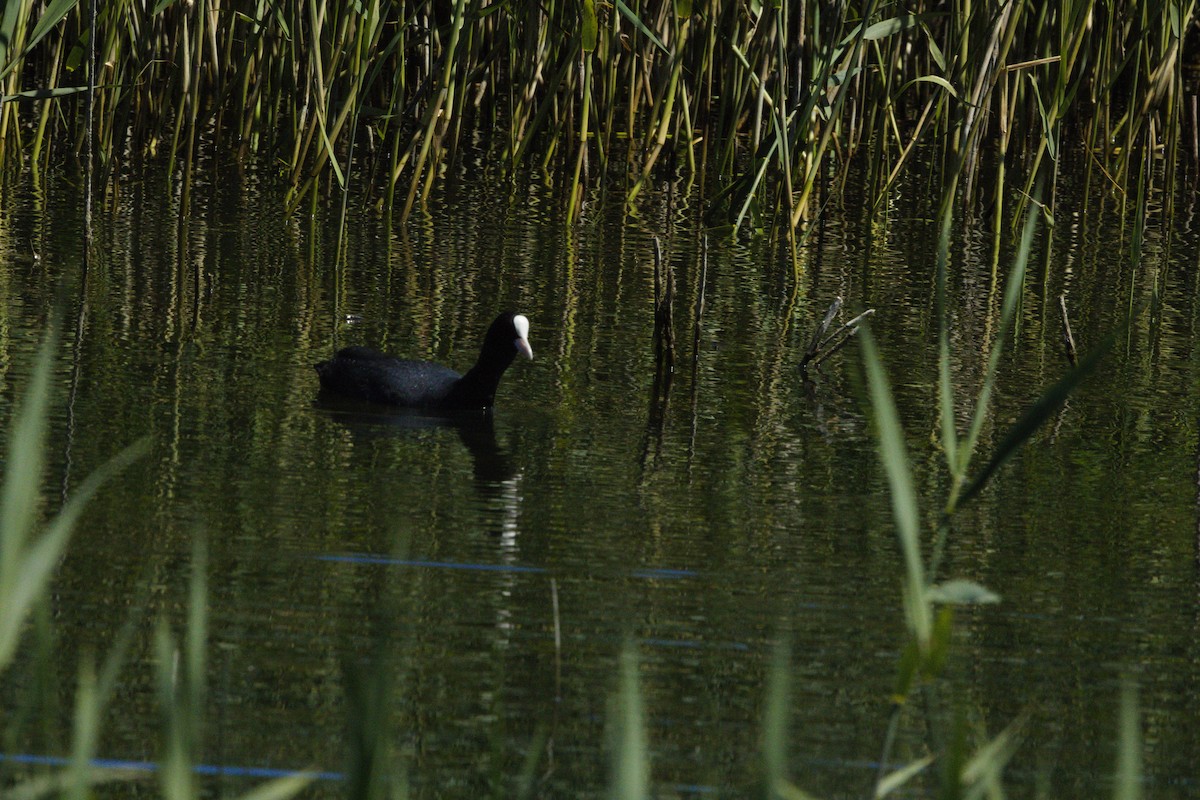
{"x": 983, "y": 770}
{"x": 776, "y": 713}
{"x": 945, "y": 382}
{"x": 950, "y": 445}
{"x": 174, "y": 769}
{"x": 959, "y": 592}
{"x": 281, "y": 788}
{"x": 55, "y": 11}
{"x": 937, "y": 80}
{"x": 39, "y": 561}
{"x": 628, "y": 14}
{"x": 1128, "y": 783}
{"x": 87, "y": 731}
{"x": 45, "y": 94}
{"x": 92, "y": 697}
{"x": 330, "y": 151}
{"x": 589, "y": 25}
{"x": 1034, "y": 416}
{"x": 1008, "y": 310}
{"x": 13, "y": 11}
{"x": 887, "y": 27}
{"x": 58, "y": 783}
{"x": 20, "y": 495}
{"x": 179, "y": 674}
{"x": 894, "y": 780}
{"x": 27, "y": 570}
{"x": 894, "y": 455}
{"x": 197, "y": 633}
{"x": 527, "y": 777}
{"x": 630, "y": 751}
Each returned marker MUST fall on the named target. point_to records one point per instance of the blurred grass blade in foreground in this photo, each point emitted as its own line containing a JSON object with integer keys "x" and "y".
{"x": 27, "y": 560}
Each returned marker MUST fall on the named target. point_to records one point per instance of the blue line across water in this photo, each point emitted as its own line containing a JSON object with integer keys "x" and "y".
{"x": 151, "y": 766}
{"x": 239, "y": 772}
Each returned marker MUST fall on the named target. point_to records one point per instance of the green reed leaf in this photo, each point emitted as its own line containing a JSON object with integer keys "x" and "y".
{"x": 196, "y": 635}
{"x": 894, "y": 455}
{"x": 895, "y": 780}
{"x": 75, "y": 58}
{"x": 281, "y": 788}
{"x": 88, "y": 704}
{"x": 95, "y": 690}
{"x": 59, "y": 784}
{"x": 906, "y": 672}
{"x": 961, "y": 592}
{"x": 8, "y": 28}
{"x": 1050, "y": 139}
{"x": 939, "y": 643}
{"x": 1128, "y": 782}
{"x": 1034, "y": 416}
{"x": 589, "y": 25}
{"x": 332, "y": 154}
{"x": 889, "y": 27}
{"x": 55, "y": 11}
{"x": 175, "y": 776}
{"x": 776, "y": 713}
{"x": 1008, "y": 312}
{"x": 981, "y": 773}
{"x": 935, "y": 52}
{"x": 630, "y": 761}
{"x": 936, "y": 80}
{"x": 45, "y": 94}
{"x": 628, "y": 14}
{"x": 20, "y": 495}
{"x": 38, "y": 561}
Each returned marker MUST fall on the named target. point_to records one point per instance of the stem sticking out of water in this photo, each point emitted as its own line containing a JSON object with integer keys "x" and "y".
{"x": 822, "y": 346}
{"x": 664, "y": 303}
{"x": 1068, "y": 338}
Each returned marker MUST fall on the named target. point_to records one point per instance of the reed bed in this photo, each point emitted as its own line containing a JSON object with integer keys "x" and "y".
{"x": 767, "y": 105}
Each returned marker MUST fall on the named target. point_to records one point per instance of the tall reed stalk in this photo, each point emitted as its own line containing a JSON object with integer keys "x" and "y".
{"x": 928, "y": 605}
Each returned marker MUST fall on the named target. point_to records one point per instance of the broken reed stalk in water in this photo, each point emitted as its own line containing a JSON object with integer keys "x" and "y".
{"x": 664, "y": 304}
{"x": 1068, "y": 337}
{"x": 822, "y": 346}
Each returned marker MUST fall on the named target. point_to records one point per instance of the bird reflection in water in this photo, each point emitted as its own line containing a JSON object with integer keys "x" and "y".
{"x": 496, "y": 478}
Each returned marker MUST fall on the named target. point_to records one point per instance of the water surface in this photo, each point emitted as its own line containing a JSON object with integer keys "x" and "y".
{"x": 500, "y": 563}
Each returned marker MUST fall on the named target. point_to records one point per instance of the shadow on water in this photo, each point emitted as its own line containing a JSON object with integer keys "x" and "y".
{"x": 493, "y": 469}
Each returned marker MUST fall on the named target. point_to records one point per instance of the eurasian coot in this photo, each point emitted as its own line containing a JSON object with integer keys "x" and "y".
{"x": 367, "y": 374}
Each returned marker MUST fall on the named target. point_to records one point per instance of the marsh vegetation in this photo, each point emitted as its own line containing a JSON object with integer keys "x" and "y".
{"x": 729, "y": 123}
{"x": 765, "y": 105}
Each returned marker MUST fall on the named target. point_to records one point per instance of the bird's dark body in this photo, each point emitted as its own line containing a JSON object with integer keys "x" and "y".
{"x": 378, "y": 378}
{"x": 366, "y": 374}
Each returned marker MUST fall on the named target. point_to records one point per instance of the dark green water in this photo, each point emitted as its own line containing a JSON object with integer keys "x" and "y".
{"x": 700, "y": 522}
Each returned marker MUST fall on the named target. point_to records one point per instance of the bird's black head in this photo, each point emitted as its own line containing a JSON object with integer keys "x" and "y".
{"x": 506, "y": 337}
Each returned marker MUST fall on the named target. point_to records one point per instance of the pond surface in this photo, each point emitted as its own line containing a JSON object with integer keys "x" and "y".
{"x": 500, "y": 564}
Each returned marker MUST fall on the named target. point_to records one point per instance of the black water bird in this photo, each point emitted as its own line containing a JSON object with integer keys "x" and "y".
{"x": 366, "y": 374}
